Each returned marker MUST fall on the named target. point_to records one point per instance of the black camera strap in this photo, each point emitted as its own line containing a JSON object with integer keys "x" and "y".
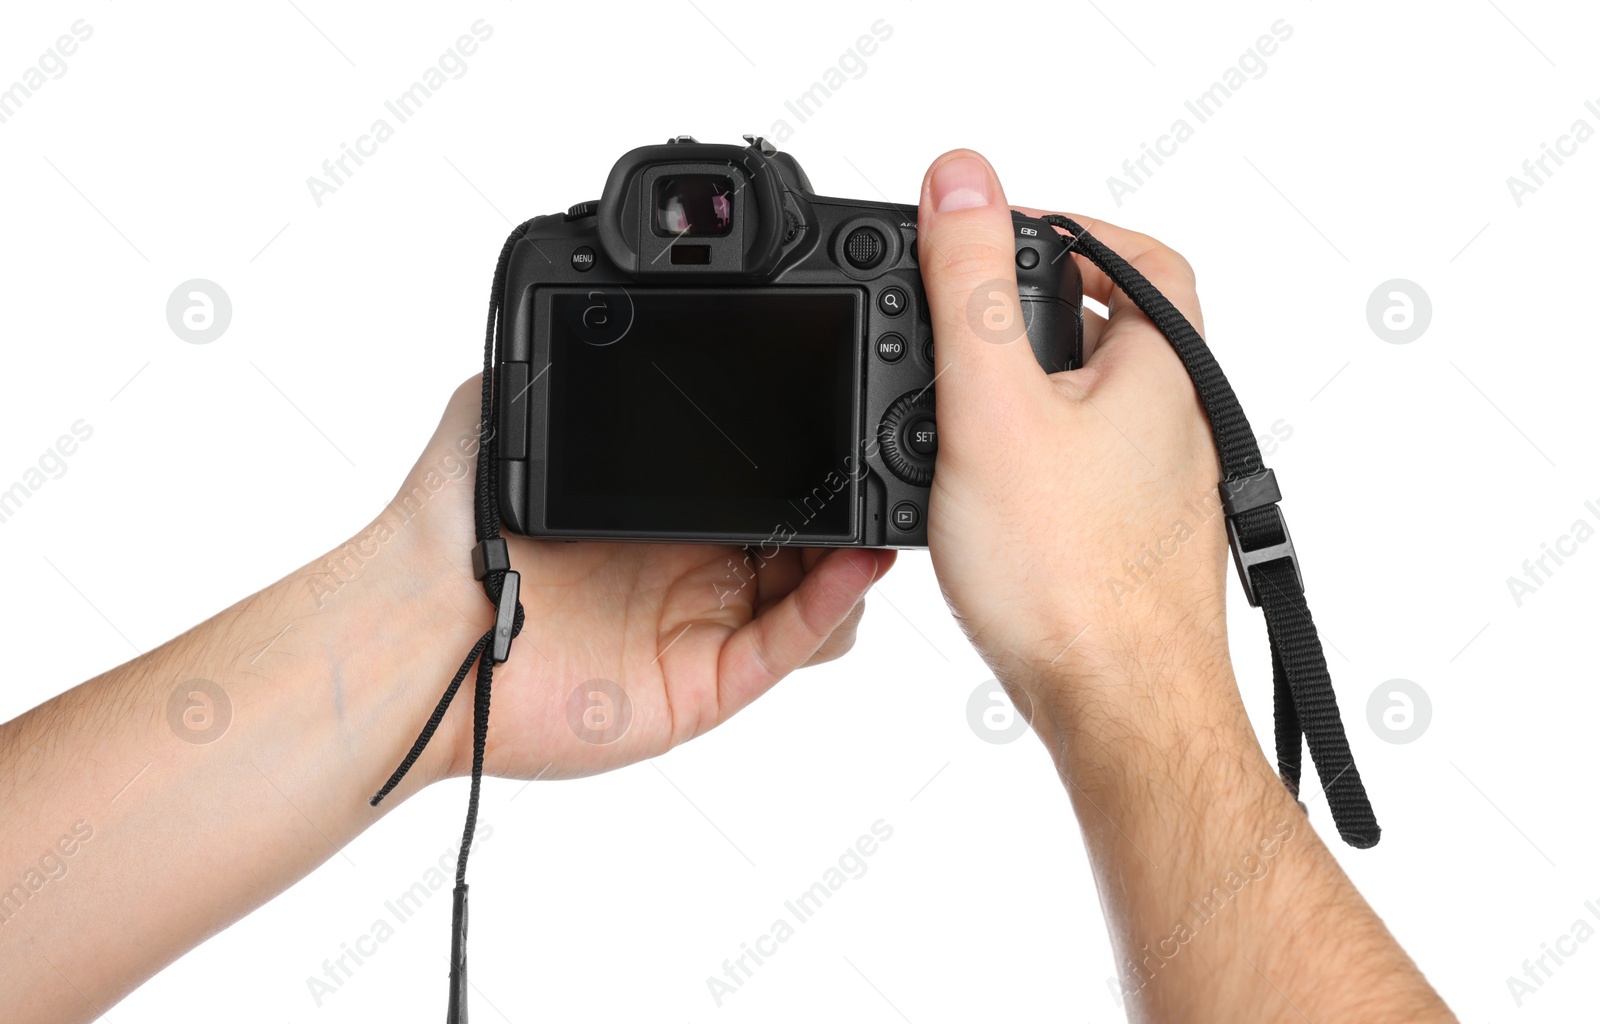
{"x": 491, "y": 564}
{"x": 1303, "y": 698}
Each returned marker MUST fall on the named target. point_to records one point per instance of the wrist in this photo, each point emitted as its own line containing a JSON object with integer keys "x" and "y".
{"x": 1157, "y": 760}
{"x": 396, "y": 619}
{"x": 1120, "y": 701}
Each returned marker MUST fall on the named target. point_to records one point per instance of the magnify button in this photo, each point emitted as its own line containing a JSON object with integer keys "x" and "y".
{"x": 892, "y": 301}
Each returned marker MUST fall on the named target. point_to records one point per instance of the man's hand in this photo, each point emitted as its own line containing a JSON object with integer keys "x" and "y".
{"x": 1074, "y": 520}
{"x": 659, "y": 642}
{"x": 1075, "y": 528}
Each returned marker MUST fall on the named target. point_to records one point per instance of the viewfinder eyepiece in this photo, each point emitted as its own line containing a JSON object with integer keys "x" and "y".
{"x": 697, "y": 205}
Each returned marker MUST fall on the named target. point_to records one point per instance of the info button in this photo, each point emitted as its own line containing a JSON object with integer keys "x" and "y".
{"x": 891, "y": 347}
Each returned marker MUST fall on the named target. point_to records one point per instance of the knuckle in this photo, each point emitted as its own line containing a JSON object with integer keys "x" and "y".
{"x": 838, "y": 644}
{"x": 1168, "y": 264}
{"x": 811, "y": 620}
{"x": 764, "y": 658}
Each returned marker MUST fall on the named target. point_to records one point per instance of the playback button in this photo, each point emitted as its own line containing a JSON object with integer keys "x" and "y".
{"x": 905, "y": 516}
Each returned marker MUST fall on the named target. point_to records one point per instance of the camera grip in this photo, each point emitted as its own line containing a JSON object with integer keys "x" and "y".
{"x": 1055, "y": 330}
{"x": 1051, "y": 290}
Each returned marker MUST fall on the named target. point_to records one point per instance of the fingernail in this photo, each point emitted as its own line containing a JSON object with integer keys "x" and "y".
{"x": 962, "y": 183}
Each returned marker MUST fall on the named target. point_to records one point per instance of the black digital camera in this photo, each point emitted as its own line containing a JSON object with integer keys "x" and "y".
{"x": 711, "y": 352}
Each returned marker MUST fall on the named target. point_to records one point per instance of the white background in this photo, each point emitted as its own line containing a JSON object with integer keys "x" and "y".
{"x": 1418, "y": 477}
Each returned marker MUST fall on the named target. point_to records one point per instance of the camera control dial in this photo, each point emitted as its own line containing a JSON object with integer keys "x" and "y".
{"x": 908, "y": 437}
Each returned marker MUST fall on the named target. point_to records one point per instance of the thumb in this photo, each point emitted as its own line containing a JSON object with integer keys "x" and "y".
{"x": 967, "y": 253}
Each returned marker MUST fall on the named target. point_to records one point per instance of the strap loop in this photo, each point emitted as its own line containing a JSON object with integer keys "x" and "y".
{"x": 1303, "y": 698}
{"x": 491, "y": 565}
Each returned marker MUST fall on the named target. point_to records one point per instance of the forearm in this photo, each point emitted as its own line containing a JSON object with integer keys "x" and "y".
{"x": 1223, "y": 904}
{"x": 179, "y": 825}
{"x": 328, "y": 675}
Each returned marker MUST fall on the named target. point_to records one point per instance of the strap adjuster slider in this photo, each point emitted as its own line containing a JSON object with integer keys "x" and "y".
{"x": 1242, "y": 495}
{"x": 505, "y": 618}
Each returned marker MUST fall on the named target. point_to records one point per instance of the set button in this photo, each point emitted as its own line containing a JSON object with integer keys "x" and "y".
{"x": 922, "y": 436}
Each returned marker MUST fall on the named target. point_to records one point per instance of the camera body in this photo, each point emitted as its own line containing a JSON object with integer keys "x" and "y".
{"x": 712, "y": 353}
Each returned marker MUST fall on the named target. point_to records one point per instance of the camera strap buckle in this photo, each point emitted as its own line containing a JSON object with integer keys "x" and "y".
{"x": 1257, "y": 540}
{"x": 505, "y": 618}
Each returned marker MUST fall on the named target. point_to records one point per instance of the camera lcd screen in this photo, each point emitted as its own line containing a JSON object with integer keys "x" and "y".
{"x": 699, "y": 411}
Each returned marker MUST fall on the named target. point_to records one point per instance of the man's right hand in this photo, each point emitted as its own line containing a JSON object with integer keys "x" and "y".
{"x": 1074, "y": 517}
{"x": 1076, "y": 532}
